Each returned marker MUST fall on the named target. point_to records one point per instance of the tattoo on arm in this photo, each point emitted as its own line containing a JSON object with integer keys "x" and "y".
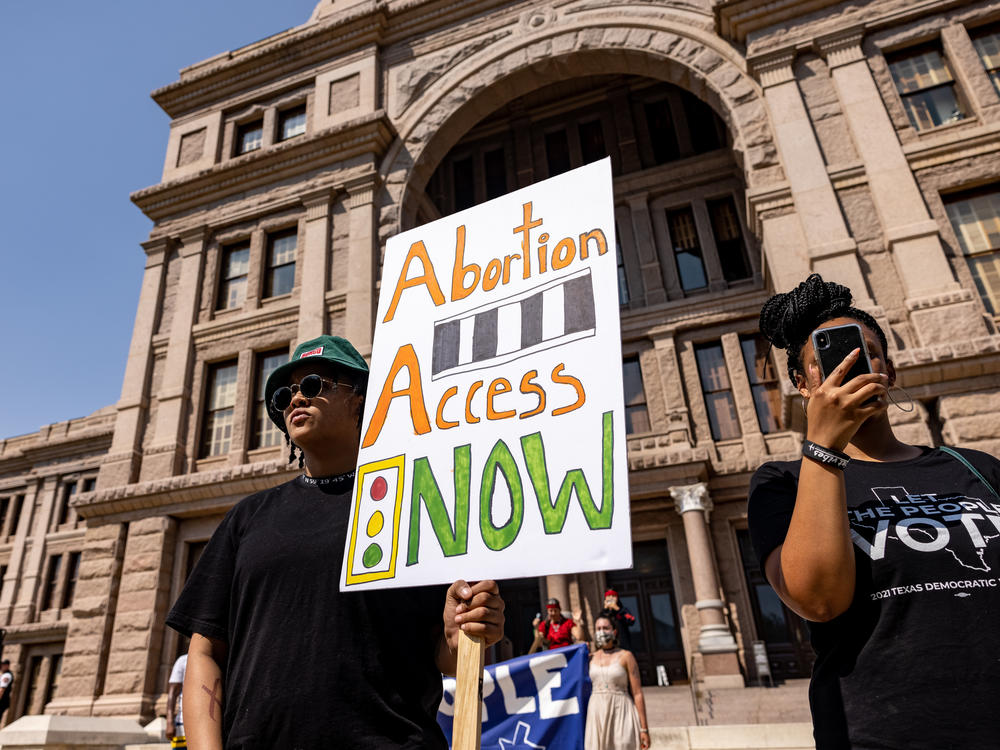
{"x": 212, "y": 699}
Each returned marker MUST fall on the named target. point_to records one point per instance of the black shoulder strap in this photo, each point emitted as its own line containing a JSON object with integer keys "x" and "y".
{"x": 958, "y": 456}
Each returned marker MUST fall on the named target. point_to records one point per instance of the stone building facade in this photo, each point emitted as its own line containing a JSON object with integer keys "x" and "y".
{"x": 751, "y": 141}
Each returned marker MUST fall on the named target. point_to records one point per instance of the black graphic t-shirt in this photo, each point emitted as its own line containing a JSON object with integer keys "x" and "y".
{"x": 915, "y": 661}
{"x": 308, "y": 666}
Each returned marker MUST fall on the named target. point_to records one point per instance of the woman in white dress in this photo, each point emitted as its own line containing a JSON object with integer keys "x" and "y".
{"x": 616, "y": 714}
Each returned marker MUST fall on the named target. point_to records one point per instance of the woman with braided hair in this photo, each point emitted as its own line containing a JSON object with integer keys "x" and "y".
{"x": 891, "y": 551}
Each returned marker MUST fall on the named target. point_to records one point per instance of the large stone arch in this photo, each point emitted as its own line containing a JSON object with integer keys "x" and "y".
{"x": 501, "y": 67}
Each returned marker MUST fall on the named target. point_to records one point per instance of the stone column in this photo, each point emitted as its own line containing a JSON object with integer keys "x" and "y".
{"x": 17, "y": 553}
{"x": 86, "y": 650}
{"x": 938, "y": 305}
{"x": 671, "y": 384}
{"x": 33, "y": 571}
{"x": 121, "y": 464}
{"x": 715, "y": 642}
{"x": 558, "y": 586}
{"x": 130, "y": 687}
{"x": 361, "y": 265}
{"x": 166, "y": 455}
{"x": 645, "y": 250}
{"x": 832, "y": 252}
{"x": 315, "y": 260}
{"x": 709, "y": 252}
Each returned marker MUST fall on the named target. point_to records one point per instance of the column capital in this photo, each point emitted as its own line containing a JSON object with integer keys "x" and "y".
{"x": 691, "y": 497}
{"x": 156, "y": 251}
{"x": 192, "y": 241}
{"x": 317, "y": 203}
{"x": 841, "y": 48}
{"x": 775, "y": 68}
{"x": 361, "y": 190}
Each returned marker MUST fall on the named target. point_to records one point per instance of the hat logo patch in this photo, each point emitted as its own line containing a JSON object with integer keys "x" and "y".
{"x": 312, "y": 352}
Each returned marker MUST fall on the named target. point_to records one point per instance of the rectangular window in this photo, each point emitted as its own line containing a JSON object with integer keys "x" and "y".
{"x": 72, "y": 576}
{"x": 987, "y": 44}
{"x": 557, "y": 152}
{"x": 763, "y": 383}
{"x": 220, "y": 401}
{"x": 662, "y": 133}
{"x": 249, "y": 137}
{"x": 15, "y": 515}
{"x": 717, "y": 391}
{"x": 63, "y": 510}
{"x": 233, "y": 277}
{"x": 51, "y": 582}
{"x": 592, "y": 141}
{"x": 636, "y": 414}
{"x": 495, "y": 166}
{"x": 4, "y": 510}
{"x": 706, "y": 129}
{"x": 280, "y": 263}
{"x": 623, "y": 297}
{"x": 976, "y": 221}
{"x": 687, "y": 249}
{"x": 265, "y": 432}
{"x": 34, "y": 683}
{"x": 55, "y": 671}
{"x": 291, "y": 122}
{"x": 89, "y": 484}
{"x": 729, "y": 239}
{"x": 463, "y": 182}
{"x": 926, "y": 87}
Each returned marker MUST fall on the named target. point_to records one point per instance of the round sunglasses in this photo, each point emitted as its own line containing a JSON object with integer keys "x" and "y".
{"x": 310, "y": 387}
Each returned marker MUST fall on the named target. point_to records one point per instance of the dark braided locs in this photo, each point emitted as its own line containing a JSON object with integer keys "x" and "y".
{"x": 787, "y": 320}
{"x": 291, "y": 452}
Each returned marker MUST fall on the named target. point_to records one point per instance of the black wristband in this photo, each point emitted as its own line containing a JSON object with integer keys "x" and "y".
{"x": 826, "y": 456}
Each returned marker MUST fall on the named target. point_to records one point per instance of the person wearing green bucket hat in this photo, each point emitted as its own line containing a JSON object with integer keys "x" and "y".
{"x": 279, "y": 656}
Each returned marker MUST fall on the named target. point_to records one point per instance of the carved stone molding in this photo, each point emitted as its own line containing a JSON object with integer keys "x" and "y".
{"x": 775, "y": 69}
{"x": 841, "y": 48}
{"x": 692, "y": 497}
{"x": 317, "y": 204}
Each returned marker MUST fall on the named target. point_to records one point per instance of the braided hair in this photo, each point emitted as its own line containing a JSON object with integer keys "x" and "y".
{"x": 787, "y": 320}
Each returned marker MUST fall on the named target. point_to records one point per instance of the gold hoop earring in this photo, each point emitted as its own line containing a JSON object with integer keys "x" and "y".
{"x": 909, "y": 399}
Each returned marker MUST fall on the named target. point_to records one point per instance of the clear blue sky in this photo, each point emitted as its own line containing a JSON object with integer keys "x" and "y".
{"x": 79, "y": 133}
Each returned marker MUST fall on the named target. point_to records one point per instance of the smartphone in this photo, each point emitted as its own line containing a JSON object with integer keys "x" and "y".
{"x": 833, "y": 344}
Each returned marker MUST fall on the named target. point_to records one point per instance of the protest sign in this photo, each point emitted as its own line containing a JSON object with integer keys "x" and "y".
{"x": 493, "y": 441}
{"x": 535, "y": 701}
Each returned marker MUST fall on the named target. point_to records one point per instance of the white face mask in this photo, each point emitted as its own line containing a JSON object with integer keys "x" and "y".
{"x": 604, "y": 638}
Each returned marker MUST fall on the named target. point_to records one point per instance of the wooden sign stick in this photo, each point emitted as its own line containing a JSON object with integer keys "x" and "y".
{"x": 466, "y": 732}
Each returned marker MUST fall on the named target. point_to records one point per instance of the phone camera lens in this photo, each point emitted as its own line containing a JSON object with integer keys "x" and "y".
{"x": 823, "y": 340}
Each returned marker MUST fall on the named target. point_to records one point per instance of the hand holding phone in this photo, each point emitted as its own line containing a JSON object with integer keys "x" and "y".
{"x": 833, "y": 344}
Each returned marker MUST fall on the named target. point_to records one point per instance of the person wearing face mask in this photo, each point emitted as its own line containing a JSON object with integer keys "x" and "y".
{"x": 279, "y": 656}
{"x": 616, "y": 714}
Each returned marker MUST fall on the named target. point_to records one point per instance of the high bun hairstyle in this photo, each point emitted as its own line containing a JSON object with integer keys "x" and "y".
{"x": 787, "y": 320}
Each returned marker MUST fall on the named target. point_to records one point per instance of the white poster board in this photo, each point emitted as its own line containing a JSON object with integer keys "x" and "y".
{"x": 493, "y": 441}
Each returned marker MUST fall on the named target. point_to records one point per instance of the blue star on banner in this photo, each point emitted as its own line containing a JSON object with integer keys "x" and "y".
{"x": 520, "y": 740}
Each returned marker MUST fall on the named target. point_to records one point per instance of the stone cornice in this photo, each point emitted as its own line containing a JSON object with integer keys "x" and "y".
{"x": 36, "y": 632}
{"x": 944, "y": 367}
{"x": 693, "y": 312}
{"x": 172, "y": 494}
{"x": 735, "y": 19}
{"x": 231, "y": 72}
{"x": 369, "y": 134}
{"x": 379, "y": 22}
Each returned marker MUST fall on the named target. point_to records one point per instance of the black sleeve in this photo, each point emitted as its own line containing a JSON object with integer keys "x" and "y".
{"x": 769, "y": 508}
{"x": 986, "y": 465}
{"x": 203, "y": 606}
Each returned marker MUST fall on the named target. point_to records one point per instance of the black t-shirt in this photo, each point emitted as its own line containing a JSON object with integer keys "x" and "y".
{"x": 915, "y": 661}
{"x": 308, "y": 666}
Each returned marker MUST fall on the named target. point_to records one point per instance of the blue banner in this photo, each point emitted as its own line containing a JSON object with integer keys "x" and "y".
{"x": 536, "y": 702}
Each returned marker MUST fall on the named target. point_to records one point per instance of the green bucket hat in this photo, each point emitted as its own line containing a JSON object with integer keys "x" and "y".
{"x": 336, "y": 350}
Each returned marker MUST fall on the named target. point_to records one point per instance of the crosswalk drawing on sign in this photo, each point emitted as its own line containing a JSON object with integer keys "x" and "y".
{"x": 548, "y": 315}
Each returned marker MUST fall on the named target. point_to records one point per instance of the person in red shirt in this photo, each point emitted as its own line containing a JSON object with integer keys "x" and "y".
{"x": 556, "y": 630}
